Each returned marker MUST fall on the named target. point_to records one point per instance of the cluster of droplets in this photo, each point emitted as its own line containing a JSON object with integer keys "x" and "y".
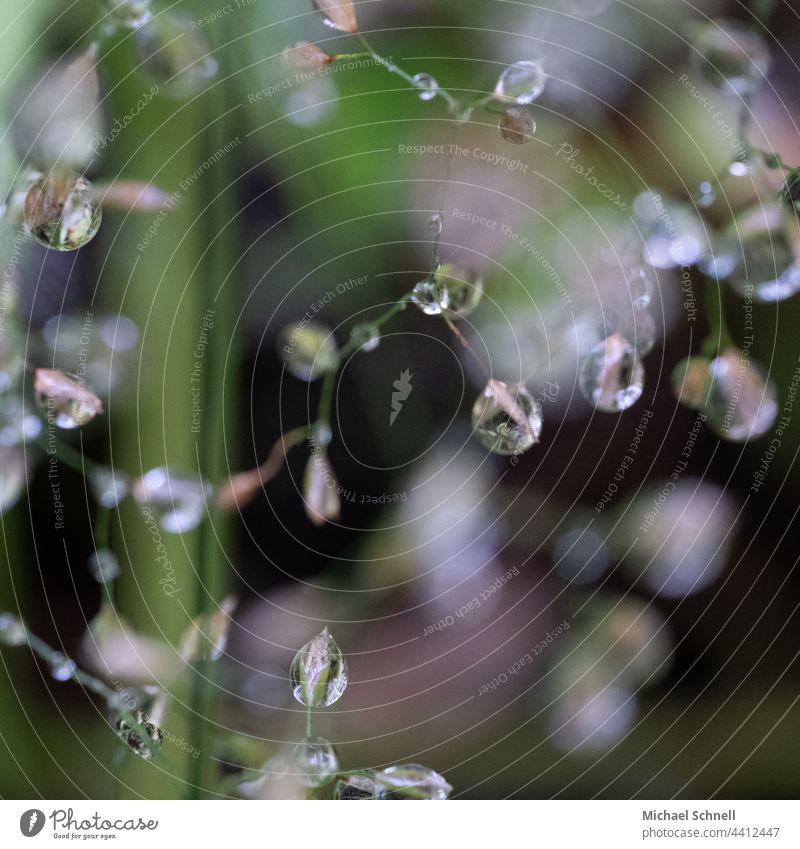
{"x": 318, "y": 678}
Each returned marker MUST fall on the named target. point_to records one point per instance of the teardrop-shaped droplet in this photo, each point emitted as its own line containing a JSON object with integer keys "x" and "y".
{"x": 309, "y": 350}
{"x": 356, "y": 788}
{"x": 428, "y": 297}
{"x": 611, "y": 377}
{"x": 690, "y": 381}
{"x": 506, "y": 418}
{"x": 460, "y": 290}
{"x": 517, "y": 125}
{"x": 144, "y": 738}
{"x": 65, "y": 400}
{"x": 176, "y": 499}
{"x": 109, "y": 485}
{"x": 742, "y": 402}
{"x": 641, "y": 285}
{"x": 426, "y": 85}
{"x": 314, "y": 761}
{"x": 61, "y": 667}
{"x": 318, "y": 672}
{"x": 521, "y": 83}
{"x": 12, "y": 630}
{"x": 762, "y": 247}
{"x": 730, "y": 56}
{"x": 435, "y": 224}
{"x": 17, "y": 424}
{"x": 366, "y": 336}
{"x": 673, "y": 234}
{"x": 61, "y": 210}
{"x": 125, "y": 14}
{"x": 104, "y": 566}
{"x": 411, "y": 781}
{"x": 174, "y": 54}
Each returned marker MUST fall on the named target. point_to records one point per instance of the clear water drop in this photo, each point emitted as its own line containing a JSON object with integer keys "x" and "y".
{"x": 318, "y": 672}
{"x": 742, "y": 402}
{"x": 61, "y": 667}
{"x": 126, "y": 14}
{"x": 521, "y": 83}
{"x": 612, "y": 377}
{"x": 428, "y": 297}
{"x": 506, "y": 418}
{"x": 435, "y": 224}
{"x": 12, "y": 630}
{"x": 762, "y": 248}
{"x": 730, "y": 56}
{"x": 517, "y": 125}
{"x": 17, "y": 424}
{"x": 61, "y": 210}
{"x": 109, "y": 486}
{"x": 176, "y": 499}
{"x": 308, "y": 350}
{"x": 366, "y": 336}
{"x": 426, "y": 85}
{"x": 411, "y": 781}
{"x": 104, "y": 566}
{"x": 65, "y": 399}
{"x": 175, "y": 55}
{"x": 315, "y": 761}
{"x": 356, "y": 788}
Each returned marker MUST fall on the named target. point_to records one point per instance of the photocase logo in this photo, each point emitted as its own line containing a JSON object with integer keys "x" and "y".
{"x": 31, "y": 822}
{"x": 403, "y": 389}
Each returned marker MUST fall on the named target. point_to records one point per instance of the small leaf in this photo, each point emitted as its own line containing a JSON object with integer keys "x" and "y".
{"x": 339, "y": 14}
{"x": 307, "y": 55}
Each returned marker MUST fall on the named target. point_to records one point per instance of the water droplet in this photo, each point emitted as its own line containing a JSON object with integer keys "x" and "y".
{"x": 761, "y": 250}
{"x": 318, "y": 672}
{"x": 61, "y": 667}
{"x": 673, "y": 234}
{"x": 517, "y": 125}
{"x": 12, "y": 630}
{"x": 641, "y": 285}
{"x": 461, "y": 290}
{"x": 611, "y": 376}
{"x": 17, "y": 425}
{"x": 13, "y": 475}
{"x": 435, "y": 224}
{"x": 690, "y": 380}
{"x": 144, "y": 738}
{"x": 506, "y": 418}
{"x": 356, "y": 788}
{"x": 731, "y": 57}
{"x": 104, "y": 566}
{"x": 366, "y": 336}
{"x": 174, "y": 55}
{"x": 309, "y": 350}
{"x": 315, "y": 762}
{"x": 61, "y": 211}
{"x": 427, "y": 86}
{"x": 411, "y": 781}
{"x": 127, "y": 14}
{"x": 65, "y": 399}
{"x": 321, "y": 491}
{"x": 705, "y": 195}
{"x": 521, "y": 83}
{"x": 428, "y": 297}
{"x": 177, "y": 499}
{"x": 119, "y": 333}
{"x": 109, "y": 486}
{"x": 742, "y": 401}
